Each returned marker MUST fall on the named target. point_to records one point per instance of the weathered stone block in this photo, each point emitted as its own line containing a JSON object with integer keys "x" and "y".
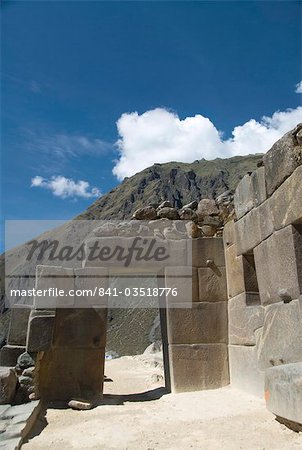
{"x": 259, "y": 186}
{"x": 281, "y": 339}
{"x": 279, "y": 265}
{"x": 244, "y": 371}
{"x": 66, "y": 374}
{"x": 18, "y": 326}
{"x": 203, "y": 323}
{"x": 40, "y": 331}
{"x": 80, "y": 328}
{"x": 185, "y": 280}
{"x": 283, "y": 389}
{"x": 286, "y": 203}
{"x": 228, "y": 233}
{"x": 245, "y": 316}
{"x": 8, "y": 383}
{"x": 281, "y": 160}
{"x": 212, "y": 284}
{"x": 253, "y": 228}
{"x": 9, "y": 354}
{"x": 51, "y": 280}
{"x": 243, "y": 198}
{"x": 241, "y": 273}
{"x": 197, "y": 367}
{"x": 205, "y": 249}
{"x": 91, "y": 282}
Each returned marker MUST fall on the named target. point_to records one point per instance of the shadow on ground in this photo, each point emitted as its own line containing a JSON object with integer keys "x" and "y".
{"x": 120, "y": 399}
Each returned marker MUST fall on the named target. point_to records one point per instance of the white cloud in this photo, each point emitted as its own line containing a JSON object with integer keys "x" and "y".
{"x": 299, "y": 88}
{"x": 66, "y": 187}
{"x": 159, "y": 136}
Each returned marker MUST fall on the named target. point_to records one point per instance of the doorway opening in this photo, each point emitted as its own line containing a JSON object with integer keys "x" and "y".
{"x": 136, "y": 359}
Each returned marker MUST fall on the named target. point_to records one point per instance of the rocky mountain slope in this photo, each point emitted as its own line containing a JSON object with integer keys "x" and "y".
{"x": 179, "y": 183}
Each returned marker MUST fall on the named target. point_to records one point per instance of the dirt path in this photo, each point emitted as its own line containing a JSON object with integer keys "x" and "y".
{"x": 224, "y": 419}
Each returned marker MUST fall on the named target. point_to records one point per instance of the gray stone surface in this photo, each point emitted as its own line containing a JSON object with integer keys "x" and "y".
{"x": 10, "y": 353}
{"x": 185, "y": 280}
{"x": 40, "y": 331}
{"x": 146, "y": 213}
{"x": 241, "y": 273}
{"x": 243, "y": 319}
{"x": 8, "y": 383}
{"x": 197, "y": 367}
{"x": 259, "y": 186}
{"x": 25, "y": 360}
{"x": 279, "y": 265}
{"x": 212, "y": 284}
{"x": 244, "y": 198}
{"x": 203, "y": 323}
{"x": 253, "y": 228}
{"x": 281, "y": 339}
{"x": 285, "y": 203}
{"x": 48, "y": 277}
{"x": 205, "y": 249}
{"x": 283, "y": 391}
{"x": 168, "y": 213}
{"x": 228, "y": 234}
{"x": 207, "y": 207}
{"x": 281, "y": 160}
{"x": 80, "y": 328}
{"x": 244, "y": 371}
{"x": 87, "y": 280}
{"x": 16, "y": 422}
{"x": 18, "y": 326}
{"x": 71, "y": 373}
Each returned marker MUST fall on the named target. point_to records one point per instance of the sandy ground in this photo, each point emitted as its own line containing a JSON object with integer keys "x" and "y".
{"x": 136, "y": 414}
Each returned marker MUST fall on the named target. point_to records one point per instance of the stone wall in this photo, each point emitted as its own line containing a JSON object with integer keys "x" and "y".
{"x": 263, "y": 250}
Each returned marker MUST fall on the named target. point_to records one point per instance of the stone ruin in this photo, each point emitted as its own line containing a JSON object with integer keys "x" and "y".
{"x": 245, "y": 324}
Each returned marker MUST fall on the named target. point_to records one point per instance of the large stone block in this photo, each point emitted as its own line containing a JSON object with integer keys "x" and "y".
{"x": 80, "y": 328}
{"x": 197, "y": 367}
{"x": 212, "y": 284}
{"x": 40, "y": 331}
{"x": 253, "y": 228}
{"x": 279, "y": 265}
{"x": 18, "y": 326}
{"x": 65, "y": 374}
{"x": 185, "y": 281}
{"x": 54, "y": 284}
{"x": 8, "y": 383}
{"x": 228, "y": 234}
{"x": 10, "y": 353}
{"x": 90, "y": 284}
{"x": 281, "y": 160}
{"x": 203, "y": 323}
{"x": 259, "y": 186}
{"x": 205, "y": 249}
{"x": 283, "y": 389}
{"x": 244, "y": 372}
{"x": 245, "y": 317}
{"x": 241, "y": 273}
{"x": 250, "y": 192}
{"x": 281, "y": 339}
{"x": 286, "y": 202}
{"x": 243, "y": 198}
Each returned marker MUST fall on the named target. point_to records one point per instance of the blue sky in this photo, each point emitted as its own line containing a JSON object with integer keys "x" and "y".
{"x": 164, "y": 72}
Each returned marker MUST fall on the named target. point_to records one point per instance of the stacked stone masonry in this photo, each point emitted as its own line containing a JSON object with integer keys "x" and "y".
{"x": 263, "y": 250}
{"x": 197, "y": 333}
